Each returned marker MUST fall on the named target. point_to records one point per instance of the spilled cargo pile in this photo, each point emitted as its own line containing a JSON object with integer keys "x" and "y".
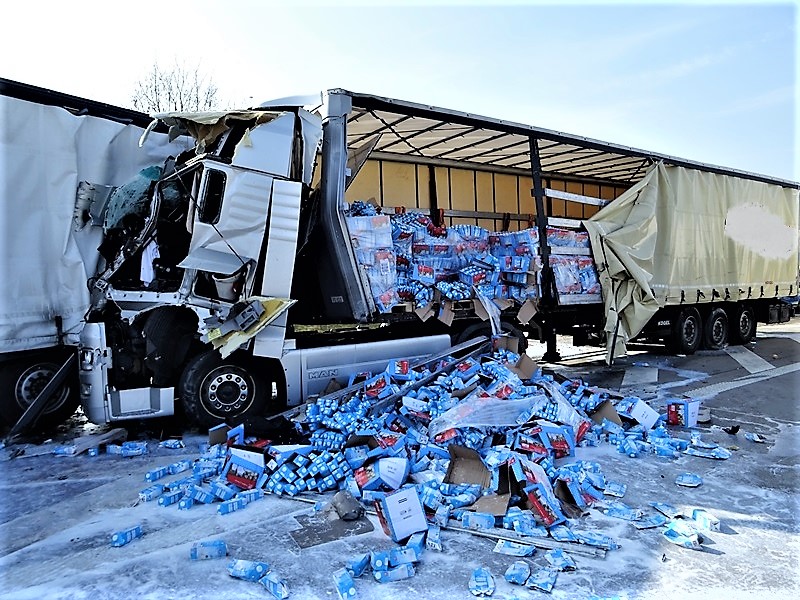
{"x": 483, "y": 443}
{"x": 407, "y": 258}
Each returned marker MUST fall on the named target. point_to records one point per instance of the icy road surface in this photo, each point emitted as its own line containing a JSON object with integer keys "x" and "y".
{"x": 57, "y": 514}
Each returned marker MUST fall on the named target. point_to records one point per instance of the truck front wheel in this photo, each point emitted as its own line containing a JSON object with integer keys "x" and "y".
{"x": 215, "y": 390}
{"x": 21, "y": 381}
{"x": 687, "y": 332}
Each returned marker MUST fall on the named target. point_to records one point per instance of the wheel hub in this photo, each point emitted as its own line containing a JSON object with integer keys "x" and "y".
{"x": 31, "y": 383}
{"x": 717, "y": 330}
{"x": 227, "y": 391}
{"x": 689, "y": 331}
{"x": 744, "y": 323}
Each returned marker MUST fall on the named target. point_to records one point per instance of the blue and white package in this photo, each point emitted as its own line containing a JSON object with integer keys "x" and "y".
{"x": 126, "y": 536}
{"x": 208, "y": 549}
{"x": 433, "y": 540}
{"x": 345, "y": 586}
{"x": 151, "y": 493}
{"x": 358, "y": 565}
{"x": 171, "y": 497}
{"x": 276, "y": 586}
{"x": 513, "y": 548}
{"x": 249, "y": 570}
{"x": 481, "y": 583}
{"x": 560, "y": 560}
{"x": 543, "y": 579}
{"x": 156, "y": 474}
{"x": 396, "y": 574}
{"x": 615, "y": 489}
{"x": 518, "y": 572}
{"x": 689, "y": 480}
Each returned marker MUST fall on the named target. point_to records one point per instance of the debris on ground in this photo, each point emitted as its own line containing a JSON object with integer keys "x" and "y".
{"x": 689, "y": 480}
{"x": 483, "y": 442}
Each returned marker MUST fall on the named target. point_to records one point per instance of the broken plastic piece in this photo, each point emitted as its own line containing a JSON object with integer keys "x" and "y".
{"x": 754, "y": 437}
{"x": 689, "y": 480}
{"x": 682, "y": 534}
{"x": 598, "y": 540}
{"x": 518, "y": 572}
{"x": 560, "y": 560}
{"x": 716, "y": 453}
{"x": 619, "y": 510}
{"x": 513, "y": 548}
{"x": 651, "y": 521}
{"x": 615, "y": 489}
{"x": 481, "y": 583}
{"x": 543, "y": 579}
{"x": 705, "y": 520}
{"x": 665, "y": 509}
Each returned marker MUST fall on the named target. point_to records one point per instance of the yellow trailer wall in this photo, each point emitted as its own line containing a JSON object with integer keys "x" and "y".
{"x": 395, "y": 184}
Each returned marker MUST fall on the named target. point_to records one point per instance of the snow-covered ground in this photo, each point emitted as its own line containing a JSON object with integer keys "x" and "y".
{"x": 57, "y": 515}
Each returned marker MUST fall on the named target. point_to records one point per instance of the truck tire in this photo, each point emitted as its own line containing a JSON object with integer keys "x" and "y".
{"x": 687, "y": 332}
{"x": 216, "y": 390}
{"x": 743, "y": 324}
{"x": 22, "y": 380}
{"x": 715, "y": 329}
{"x": 484, "y": 328}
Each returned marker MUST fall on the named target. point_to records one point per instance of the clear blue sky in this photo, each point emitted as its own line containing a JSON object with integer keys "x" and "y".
{"x": 715, "y": 83}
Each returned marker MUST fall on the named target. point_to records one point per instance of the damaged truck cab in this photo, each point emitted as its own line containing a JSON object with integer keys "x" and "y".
{"x": 207, "y": 254}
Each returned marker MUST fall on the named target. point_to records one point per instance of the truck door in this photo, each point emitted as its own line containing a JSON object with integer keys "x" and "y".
{"x": 228, "y": 225}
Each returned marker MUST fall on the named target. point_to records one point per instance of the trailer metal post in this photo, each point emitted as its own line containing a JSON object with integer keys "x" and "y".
{"x": 549, "y": 295}
{"x": 551, "y": 355}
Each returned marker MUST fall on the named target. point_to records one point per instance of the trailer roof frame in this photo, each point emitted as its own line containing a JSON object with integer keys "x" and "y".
{"x": 599, "y": 166}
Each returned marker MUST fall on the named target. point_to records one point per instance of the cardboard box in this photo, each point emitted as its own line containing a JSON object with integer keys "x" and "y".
{"x": 466, "y": 466}
{"x": 640, "y": 411}
{"x": 218, "y": 434}
{"x": 401, "y": 514}
{"x": 245, "y": 465}
{"x": 390, "y": 472}
{"x": 527, "y": 311}
{"x": 683, "y": 413}
{"x": 606, "y": 410}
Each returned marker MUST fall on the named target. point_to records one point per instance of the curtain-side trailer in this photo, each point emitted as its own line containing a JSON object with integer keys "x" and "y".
{"x": 232, "y": 280}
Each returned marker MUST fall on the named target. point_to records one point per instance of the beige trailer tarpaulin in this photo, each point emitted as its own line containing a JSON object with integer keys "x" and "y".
{"x": 687, "y": 236}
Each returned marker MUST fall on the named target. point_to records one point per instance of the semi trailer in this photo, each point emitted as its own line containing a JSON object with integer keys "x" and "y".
{"x": 236, "y": 263}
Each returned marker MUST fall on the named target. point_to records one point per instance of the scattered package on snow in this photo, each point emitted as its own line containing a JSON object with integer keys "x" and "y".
{"x": 689, "y": 480}
{"x": 126, "y": 536}
{"x": 487, "y": 444}
{"x": 481, "y": 583}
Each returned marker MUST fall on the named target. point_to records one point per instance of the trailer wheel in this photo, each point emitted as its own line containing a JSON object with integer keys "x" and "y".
{"x": 21, "y": 381}
{"x": 687, "y": 332}
{"x": 215, "y": 390}
{"x": 484, "y": 328}
{"x": 743, "y": 324}
{"x": 715, "y": 330}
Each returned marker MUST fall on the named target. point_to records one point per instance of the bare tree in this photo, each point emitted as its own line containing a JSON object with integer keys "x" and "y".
{"x": 176, "y": 89}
